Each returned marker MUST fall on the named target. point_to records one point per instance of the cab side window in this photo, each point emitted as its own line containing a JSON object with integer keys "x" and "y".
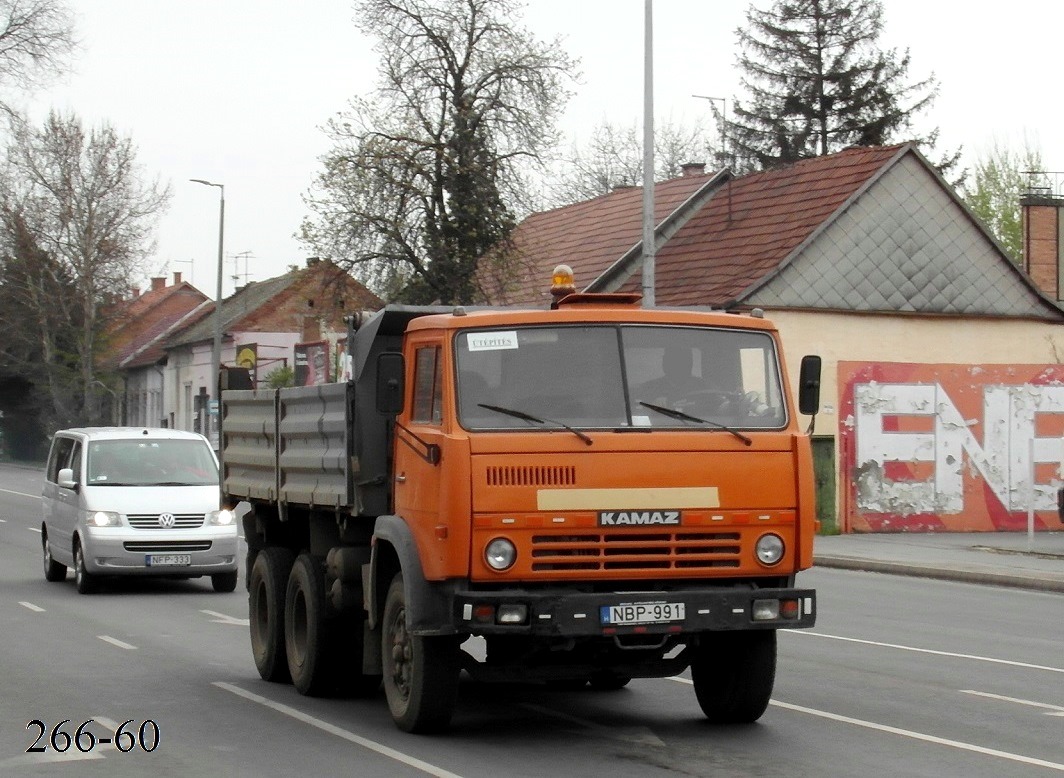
{"x": 428, "y": 386}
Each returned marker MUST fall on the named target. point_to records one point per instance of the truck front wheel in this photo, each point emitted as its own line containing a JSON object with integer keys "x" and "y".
{"x": 733, "y": 674}
{"x": 266, "y": 595}
{"x": 420, "y": 672}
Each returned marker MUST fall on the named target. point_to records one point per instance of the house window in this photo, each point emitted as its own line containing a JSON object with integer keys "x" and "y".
{"x": 428, "y": 386}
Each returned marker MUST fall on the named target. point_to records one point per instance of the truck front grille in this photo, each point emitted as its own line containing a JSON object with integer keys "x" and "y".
{"x": 531, "y": 475}
{"x": 621, "y": 551}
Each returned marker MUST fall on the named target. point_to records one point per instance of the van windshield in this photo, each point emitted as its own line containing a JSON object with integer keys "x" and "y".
{"x": 617, "y": 376}
{"x": 150, "y": 463}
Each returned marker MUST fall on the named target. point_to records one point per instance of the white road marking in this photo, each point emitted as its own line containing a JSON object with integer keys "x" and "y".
{"x": 116, "y": 642}
{"x": 21, "y": 494}
{"x": 1030, "y": 760}
{"x": 34, "y": 529}
{"x": 639, "y": 735}
{"x": 50, "y": 756}
{"x": 3, "y": 521}
{"x": 1051, "y": 710}
{"x": 992, "y": 660}
{"x": 221, "y": 618}
{"x": 351, "y": 737}
{"x": 32, "y": 607}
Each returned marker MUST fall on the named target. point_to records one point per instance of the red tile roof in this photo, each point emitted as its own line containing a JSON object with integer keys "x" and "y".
{"x": 136, "y": 324}
{"x": 743, "y": 235}
{"x": 588, "y": 236}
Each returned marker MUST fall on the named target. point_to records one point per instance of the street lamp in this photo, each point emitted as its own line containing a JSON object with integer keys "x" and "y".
{"x": 216, "y": 351}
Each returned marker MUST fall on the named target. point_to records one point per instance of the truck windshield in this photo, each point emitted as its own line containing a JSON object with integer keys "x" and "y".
{"x": 618, "y": 376}
{"x": 150, "y": 462}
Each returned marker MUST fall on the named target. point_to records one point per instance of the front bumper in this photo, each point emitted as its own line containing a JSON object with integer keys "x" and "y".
{"x": 576, "y": 614}
{"x": 122, "y": 551}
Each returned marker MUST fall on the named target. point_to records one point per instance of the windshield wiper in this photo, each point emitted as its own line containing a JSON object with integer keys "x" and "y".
{"x": 688, "y": 417}
{"x": 529, "y": 417}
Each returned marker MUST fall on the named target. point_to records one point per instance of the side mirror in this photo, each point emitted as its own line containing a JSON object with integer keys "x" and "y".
{"x": 809, "y": 385}
{"x": 65, "y": 479}
{"x": 391, "y": 369}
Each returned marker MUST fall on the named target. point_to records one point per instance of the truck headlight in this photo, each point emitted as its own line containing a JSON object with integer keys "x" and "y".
{"x": 222, "y": 518}
{"x": 769, "y": 549}
{"x": 104, "y": 519}
{"x": 500, "y": 554}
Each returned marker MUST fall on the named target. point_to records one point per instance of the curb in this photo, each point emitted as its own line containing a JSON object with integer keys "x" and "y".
{"x": 1029, "y": 581}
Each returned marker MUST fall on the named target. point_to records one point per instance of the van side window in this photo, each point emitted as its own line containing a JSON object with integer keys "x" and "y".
{"x": 428, "y": 386}
{"x": 58, "y": 457}
{"x": 75, "y": 461}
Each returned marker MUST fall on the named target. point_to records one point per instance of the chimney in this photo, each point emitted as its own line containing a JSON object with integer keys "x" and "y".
{"x": 177, "y": 278}
{"x": 136, "y": 292}
{"x": 1043, "y": 254}
{"x": 692, "y": 169}
{"x": 158, "y": 283}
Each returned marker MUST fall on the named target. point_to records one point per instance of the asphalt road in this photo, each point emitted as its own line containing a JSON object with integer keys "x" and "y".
{"x": 906, "y": 676}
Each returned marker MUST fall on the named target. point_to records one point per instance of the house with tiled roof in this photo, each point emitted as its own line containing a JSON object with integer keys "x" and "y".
{"x": 941, "y": 355}
{"x": 262, "y": 324}
{"x": 134, "y": 335}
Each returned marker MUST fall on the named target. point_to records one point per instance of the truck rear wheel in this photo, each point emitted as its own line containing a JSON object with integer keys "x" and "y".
{"x": 307, "y": 637}
{"x": 420, "y": 672}
{"x": 733, "y": 674}
{"x": 266, "y": 596}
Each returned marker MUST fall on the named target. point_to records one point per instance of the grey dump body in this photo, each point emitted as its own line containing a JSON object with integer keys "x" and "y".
{"x": 322, "y": 446}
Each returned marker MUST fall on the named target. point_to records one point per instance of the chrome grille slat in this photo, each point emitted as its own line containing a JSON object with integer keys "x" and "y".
{"x": 635, "y": 551}
{"x": 151, "y": 520}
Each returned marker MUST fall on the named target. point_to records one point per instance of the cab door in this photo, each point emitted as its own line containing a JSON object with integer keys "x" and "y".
{"x": 419, "y": 443}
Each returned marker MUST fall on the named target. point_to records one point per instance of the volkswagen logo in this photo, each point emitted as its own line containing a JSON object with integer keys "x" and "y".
{"x": 167, "y": 520}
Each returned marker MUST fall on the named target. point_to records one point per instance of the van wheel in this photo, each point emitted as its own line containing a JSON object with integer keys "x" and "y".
{"x": 733, "y": 674}
{"x": 266, "y": 593}
{"x": 224, "y": 582}
{"x": 53, "y": 571}
{"x": 83, "y": 579}
{"x": 420, "y": 672}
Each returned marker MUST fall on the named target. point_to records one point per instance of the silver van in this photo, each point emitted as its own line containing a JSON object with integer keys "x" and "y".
{"x": 135, "y": 501}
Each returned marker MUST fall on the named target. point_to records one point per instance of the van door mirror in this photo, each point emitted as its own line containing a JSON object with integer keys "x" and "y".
{"x": 391, "y": 387}
{"x": 65, "y": 479}
{"x": 809, "y": 385}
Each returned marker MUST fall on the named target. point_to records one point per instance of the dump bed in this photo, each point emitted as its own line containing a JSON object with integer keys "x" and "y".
{"x": 288, "y": 445}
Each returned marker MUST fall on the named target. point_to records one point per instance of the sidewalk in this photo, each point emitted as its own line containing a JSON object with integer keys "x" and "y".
{"x": 997, "y": 558}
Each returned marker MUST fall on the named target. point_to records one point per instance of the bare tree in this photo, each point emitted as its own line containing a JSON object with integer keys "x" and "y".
{"x": 36, "y": 42}
{"x": 425, "y": 177}
{"x": 613, "y": 158}
{"x": 77, "y": 223}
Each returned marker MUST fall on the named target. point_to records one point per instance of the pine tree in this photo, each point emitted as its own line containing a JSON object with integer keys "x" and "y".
{"x": 817, "y": 82}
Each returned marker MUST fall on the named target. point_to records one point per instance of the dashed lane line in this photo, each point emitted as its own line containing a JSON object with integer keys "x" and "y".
{"x": 117, "y": 642}
{"x": 31, "y": 606}
{"x": 1050, "y": 710}
{"x": 332, "y": 729}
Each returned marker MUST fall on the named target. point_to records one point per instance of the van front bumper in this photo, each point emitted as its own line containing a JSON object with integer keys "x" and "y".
{"x": 122, "y": 551}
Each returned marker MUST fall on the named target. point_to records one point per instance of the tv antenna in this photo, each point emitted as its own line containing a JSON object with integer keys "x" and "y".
{"x": 244, "y": 255}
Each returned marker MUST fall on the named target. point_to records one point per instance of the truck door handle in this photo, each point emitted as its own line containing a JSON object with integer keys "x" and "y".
{"x": 401, "y": 479}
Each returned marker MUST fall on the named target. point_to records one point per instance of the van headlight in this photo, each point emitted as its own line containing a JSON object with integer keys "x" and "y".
{"x": 500, "y": 554}
{"x": 104, "y": 519}
{"x": 221, "y": 518}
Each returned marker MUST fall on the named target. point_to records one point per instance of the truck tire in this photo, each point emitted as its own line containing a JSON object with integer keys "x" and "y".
{"x": 308, "y": 637}
{"x": 420, "y": 672}
{"x": 733, "y": 674}
{"x": 266, "y": 595}
{"x": 53, "y": 571}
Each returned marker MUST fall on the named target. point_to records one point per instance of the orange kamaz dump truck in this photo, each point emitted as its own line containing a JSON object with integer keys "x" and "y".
{"x": 582, "y": 495}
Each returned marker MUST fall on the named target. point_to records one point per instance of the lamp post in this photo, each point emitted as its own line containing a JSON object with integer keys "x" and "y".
{"x": 216, "y": 351}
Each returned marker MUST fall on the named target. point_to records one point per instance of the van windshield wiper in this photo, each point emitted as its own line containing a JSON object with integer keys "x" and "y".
{"x": 529, "y": 417}
{"x": 688, "y": 417}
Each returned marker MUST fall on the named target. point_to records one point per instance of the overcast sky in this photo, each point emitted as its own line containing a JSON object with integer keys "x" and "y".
{"x": 235, "y": 91}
